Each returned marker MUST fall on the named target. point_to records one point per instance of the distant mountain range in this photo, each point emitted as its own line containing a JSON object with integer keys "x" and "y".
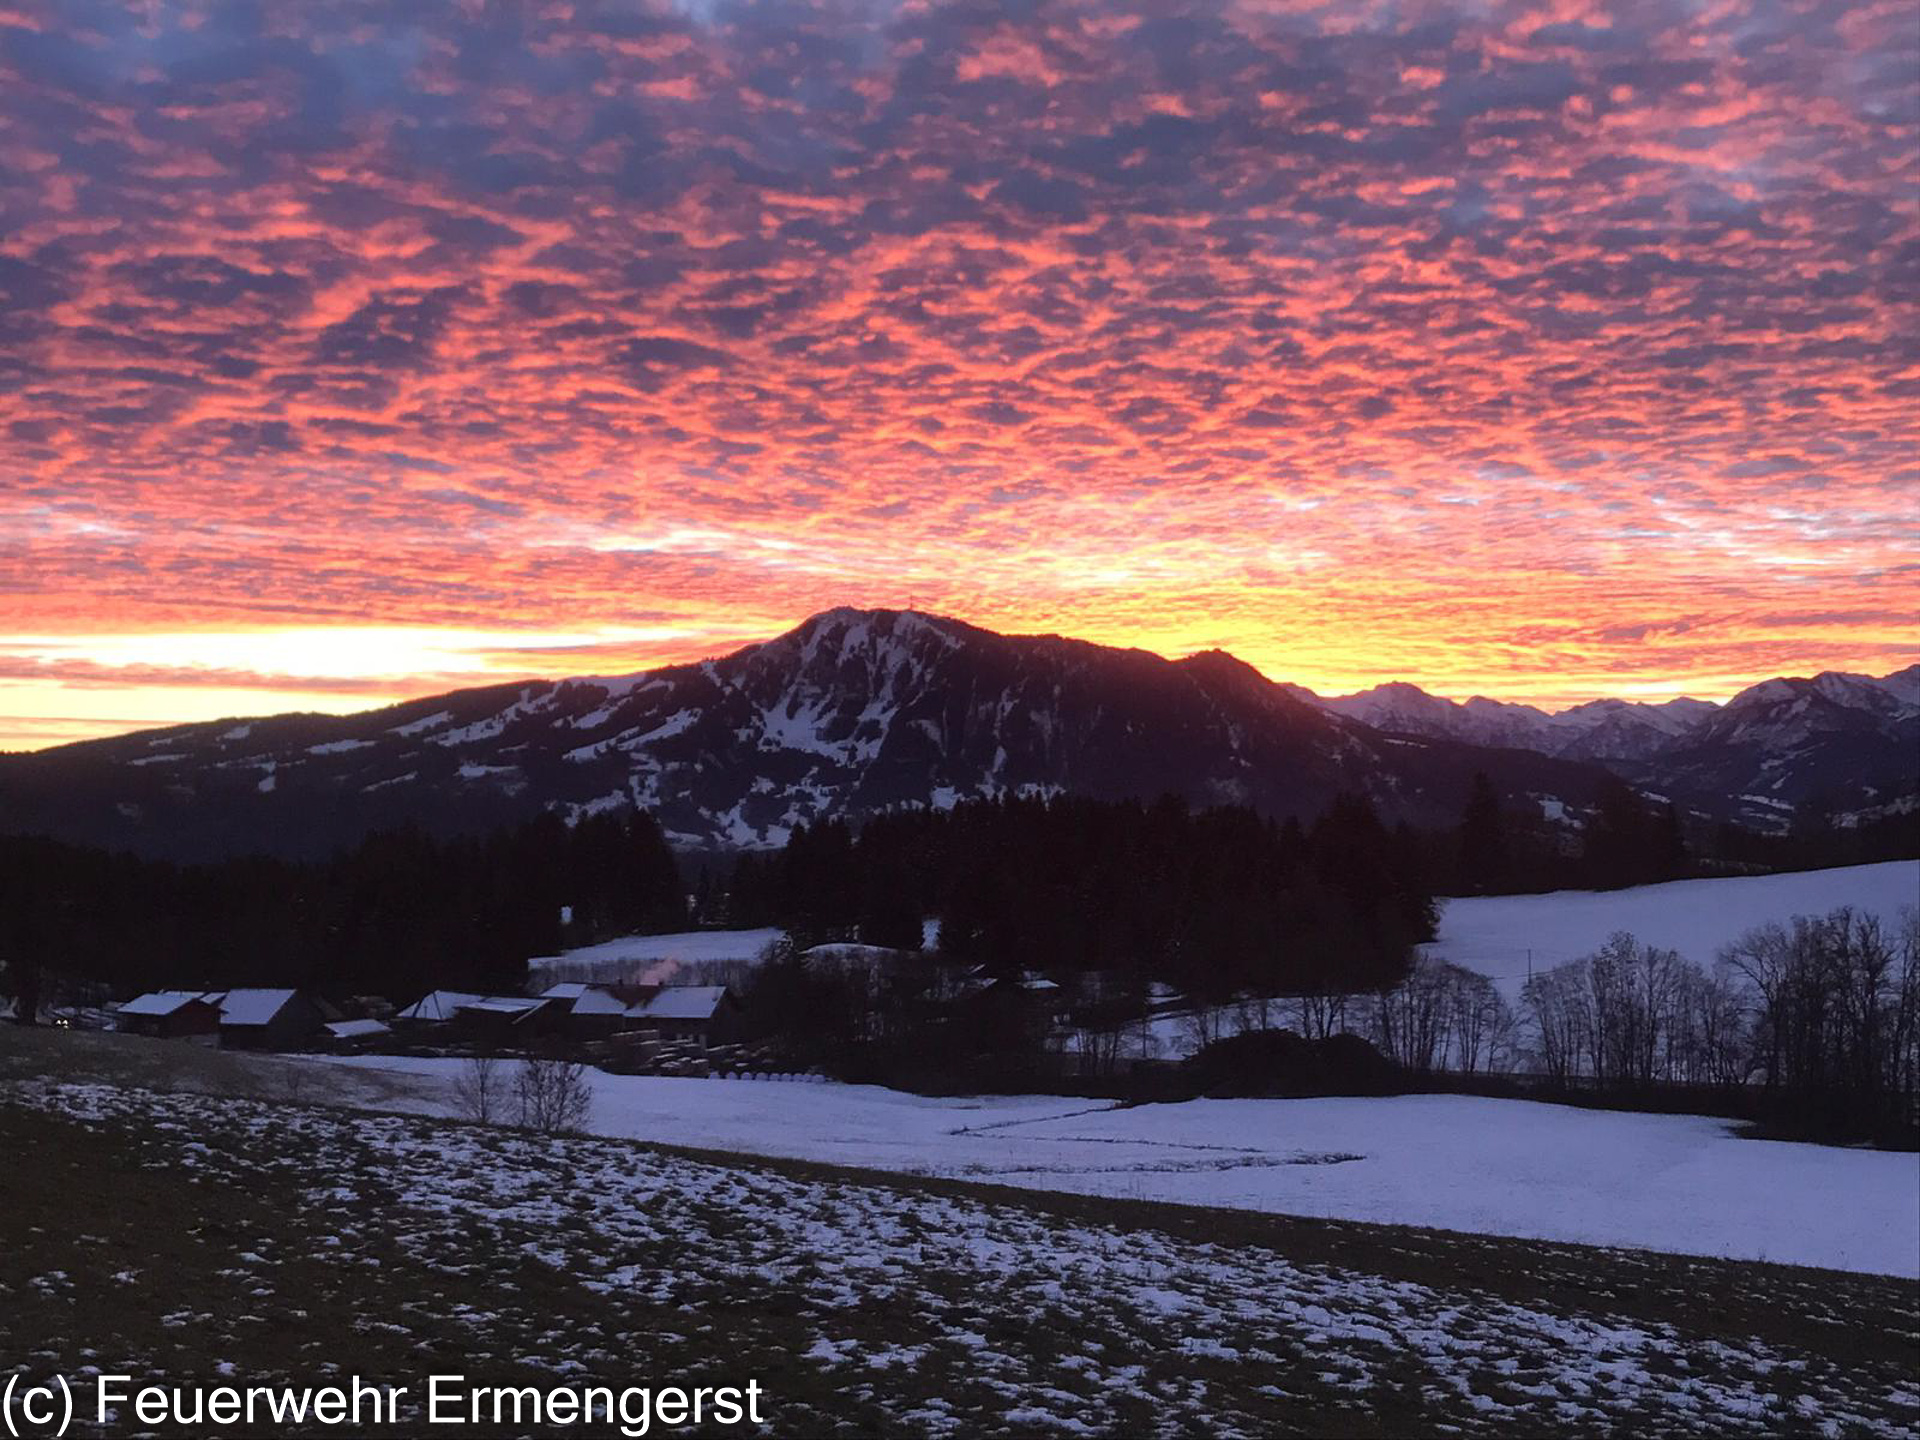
{"x": 856, "y": 711}
{"x": 1846, "y": 744}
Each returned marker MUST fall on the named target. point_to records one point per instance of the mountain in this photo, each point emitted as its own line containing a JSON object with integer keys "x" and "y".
{"x": 1842, "y": 744}
{"x": 854, "y": 711}
{"x": 1597, "y": 730}
{"x": 850, "y": 713}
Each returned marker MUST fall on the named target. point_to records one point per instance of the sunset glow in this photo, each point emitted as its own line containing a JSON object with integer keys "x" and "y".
{"x": 1539, "y": 350}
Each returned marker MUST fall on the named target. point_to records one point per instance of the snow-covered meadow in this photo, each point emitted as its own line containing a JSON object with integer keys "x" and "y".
{"x": 652, "y": 959}
{"x": 1499, "y": 935}
{"x": 874, "y": 1309}
{"x": 1686, "y": 1184}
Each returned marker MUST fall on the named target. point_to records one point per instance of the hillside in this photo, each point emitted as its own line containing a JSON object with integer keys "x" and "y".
{"x": 1501, "y": 935}
{"x": 295, "y": 1244}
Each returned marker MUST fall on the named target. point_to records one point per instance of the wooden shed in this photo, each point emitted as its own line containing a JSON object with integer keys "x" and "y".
{"x": 709, "y": 1014}
{"x": 253, "y": 1019}
{"x": 171, "y": 1015}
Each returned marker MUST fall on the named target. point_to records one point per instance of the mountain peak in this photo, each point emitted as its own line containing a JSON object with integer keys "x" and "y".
{"x": 858, "y": 710}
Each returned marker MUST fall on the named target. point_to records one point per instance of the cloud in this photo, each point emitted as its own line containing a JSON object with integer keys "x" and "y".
{"x": 1366, "y": 343}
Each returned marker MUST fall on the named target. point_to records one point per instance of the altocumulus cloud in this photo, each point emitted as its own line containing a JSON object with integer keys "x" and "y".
{"x": 349, "y": 310}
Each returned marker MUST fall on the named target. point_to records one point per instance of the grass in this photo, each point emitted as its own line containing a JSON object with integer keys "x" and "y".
{"x": 197, "y": 1239}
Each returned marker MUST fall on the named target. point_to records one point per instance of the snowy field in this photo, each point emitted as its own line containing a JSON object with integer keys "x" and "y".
{"x": 874, "y": 1310}
{"x": 1494, "y": 934}
{"x": 652, "y": 959}
{"x": 1499, "y": 1167}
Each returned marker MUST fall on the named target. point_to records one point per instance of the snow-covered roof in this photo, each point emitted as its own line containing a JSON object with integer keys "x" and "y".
{"x": 502, "y": 1004}
{"x": 566, "y": 990}
{"x": 848, "y": 950}
{"x": 596, "y": 1000}
{"x": 355, "y": 1029}
{"x": 680, "y": 1002}
{"x": 252, "y": 1007}
{"x": 439, "y": 1005}
{"x": 163, "y": 1002}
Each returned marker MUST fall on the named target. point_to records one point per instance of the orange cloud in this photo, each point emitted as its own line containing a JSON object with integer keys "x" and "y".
{"x": 1542, "y": 351}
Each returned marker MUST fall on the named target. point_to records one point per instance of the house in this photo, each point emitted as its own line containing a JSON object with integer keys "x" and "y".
{"x": 254, "y": 1019}
{"x": 171, "y": 1015}
{"x": 509, "y": 1018}
{"x": 352, "y": 1034}
{"x": 436, "y": 1007}
{"x": 587, "y": 1011}
{"x": 708, "y": 1014}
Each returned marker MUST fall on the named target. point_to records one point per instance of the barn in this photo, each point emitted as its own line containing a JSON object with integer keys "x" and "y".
{"x": 588, "y": 1011}
{"x": 707, "y": 1013}
{"x": 356, "y": 1034}
{"x": 436, "y": 1007}
{"x": 498, "y": 1019}
{"x": 268, "y": 1019}
{"x": 171, "y": 1015}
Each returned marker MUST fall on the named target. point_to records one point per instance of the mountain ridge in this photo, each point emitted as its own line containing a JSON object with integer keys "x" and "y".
{"x": 856, "y": 711}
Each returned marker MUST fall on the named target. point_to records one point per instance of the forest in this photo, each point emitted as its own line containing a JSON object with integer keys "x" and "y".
{"x": 1209, "y": 901}
{"x": 1212, "y": 902}
{"x": 398, "y": 914}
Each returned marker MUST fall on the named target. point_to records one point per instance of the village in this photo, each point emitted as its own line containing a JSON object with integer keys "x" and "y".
{"x": 628, "y": 1028}
{"x": 659, "y": 1017}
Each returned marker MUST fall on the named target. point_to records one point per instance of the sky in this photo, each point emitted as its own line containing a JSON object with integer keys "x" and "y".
{"x": 1542, "y": 350}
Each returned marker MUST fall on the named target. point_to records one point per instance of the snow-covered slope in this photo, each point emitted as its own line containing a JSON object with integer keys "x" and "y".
{"x": 1499, "y": 935}
{"x": 1501, "y": 1167}
{"x": 651, "y": 959}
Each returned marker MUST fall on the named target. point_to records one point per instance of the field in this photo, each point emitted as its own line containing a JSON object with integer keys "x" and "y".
{"x": 1508, "y": 1167}
{"x": 1500, "y": 935}
{"x": 652, "y": 959}
{"x": 273, "y": 1240}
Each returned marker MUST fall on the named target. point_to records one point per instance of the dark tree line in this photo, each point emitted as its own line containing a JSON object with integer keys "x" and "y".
{"x": 1211, "y": 901}
{"x": 399, "y": 913}
{"x": 1627, "y": 838}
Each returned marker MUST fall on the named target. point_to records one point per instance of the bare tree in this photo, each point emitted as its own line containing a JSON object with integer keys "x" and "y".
{"x": 1412, "y": 1021}
{"x": 1320, "y": 1013}
{"x": 1557, "y": 1001}
{"x": 480, "y": 1090}
{"x": 1203, "y": 1025}
{"x": 552, "y": 1096}
{"x": 1712, "y": 1042}
{"x": 1482, "y": 1024}
{"x": 1836, "y": 1002}
{"x": 1634, "y": 991}
{"x": 1904, "y": 1042}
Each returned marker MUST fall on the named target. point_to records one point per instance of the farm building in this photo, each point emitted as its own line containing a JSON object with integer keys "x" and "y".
{"x": 352, "y": 1034}
{"x": 436, "y": 1007}
{"x": 505, "y": 1018}
{"x": 707, "y": 1013}
{"x": 586, "y": 1011}
{"x": 244, "y": 1019}
{"x": 268, "y": 1019}
{"x": 171, "y": 1015}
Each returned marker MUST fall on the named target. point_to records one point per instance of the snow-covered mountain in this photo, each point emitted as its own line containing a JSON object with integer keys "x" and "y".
{"x": 1847, "y": 743}
{"x": 850, "y": 713}
{"x": 855, "y": 711}
{"x": 1774, "y": 712}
